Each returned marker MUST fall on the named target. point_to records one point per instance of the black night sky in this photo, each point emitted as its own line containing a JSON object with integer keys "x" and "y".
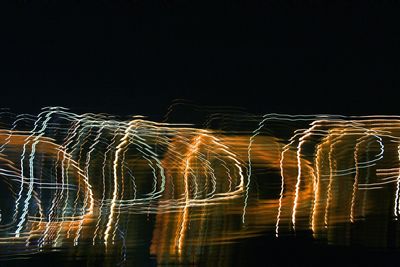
{"x": 135, "y": 57}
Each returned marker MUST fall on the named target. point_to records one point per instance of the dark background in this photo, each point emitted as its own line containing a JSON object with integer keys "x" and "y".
{"x": 135, "y": 57}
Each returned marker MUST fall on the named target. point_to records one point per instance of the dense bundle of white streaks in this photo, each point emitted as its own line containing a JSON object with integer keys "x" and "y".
{"x": 68, "y": 178}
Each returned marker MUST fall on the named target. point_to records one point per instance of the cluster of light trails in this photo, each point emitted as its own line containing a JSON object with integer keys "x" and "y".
{"x": 78, "y": 180}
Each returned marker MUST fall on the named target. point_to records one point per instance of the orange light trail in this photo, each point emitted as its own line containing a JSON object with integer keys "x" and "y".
{"x": 78, "y": 180}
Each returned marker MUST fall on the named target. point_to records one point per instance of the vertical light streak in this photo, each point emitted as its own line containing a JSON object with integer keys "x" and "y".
{"x": 121, "y": 194}
{"x": 185, "y": 209}
{"x": 355, "y": 184}
{"x": 102, "y": 199}
{"x": 307, "y": 133}
{"x": 278, "y": 217}
{"x": 124, "y": 141}
{"x": 298, "y": 180}
{"x": 21, "y": 185}
{"x": 249, "y": 170}
{"x": 29, "y": 194}
{"x": 316, "y": 189}
{"x": 332, "y": 166}
{"x": 366, "y": 178}
{"x": 193, "y": 150}
{"x": 65, "y": 176}
{"x": 115, "y": 192}
{"x": 396, "y": 201}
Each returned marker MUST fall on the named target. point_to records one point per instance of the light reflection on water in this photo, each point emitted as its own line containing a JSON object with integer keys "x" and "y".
{"x": 104, "y": 190}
